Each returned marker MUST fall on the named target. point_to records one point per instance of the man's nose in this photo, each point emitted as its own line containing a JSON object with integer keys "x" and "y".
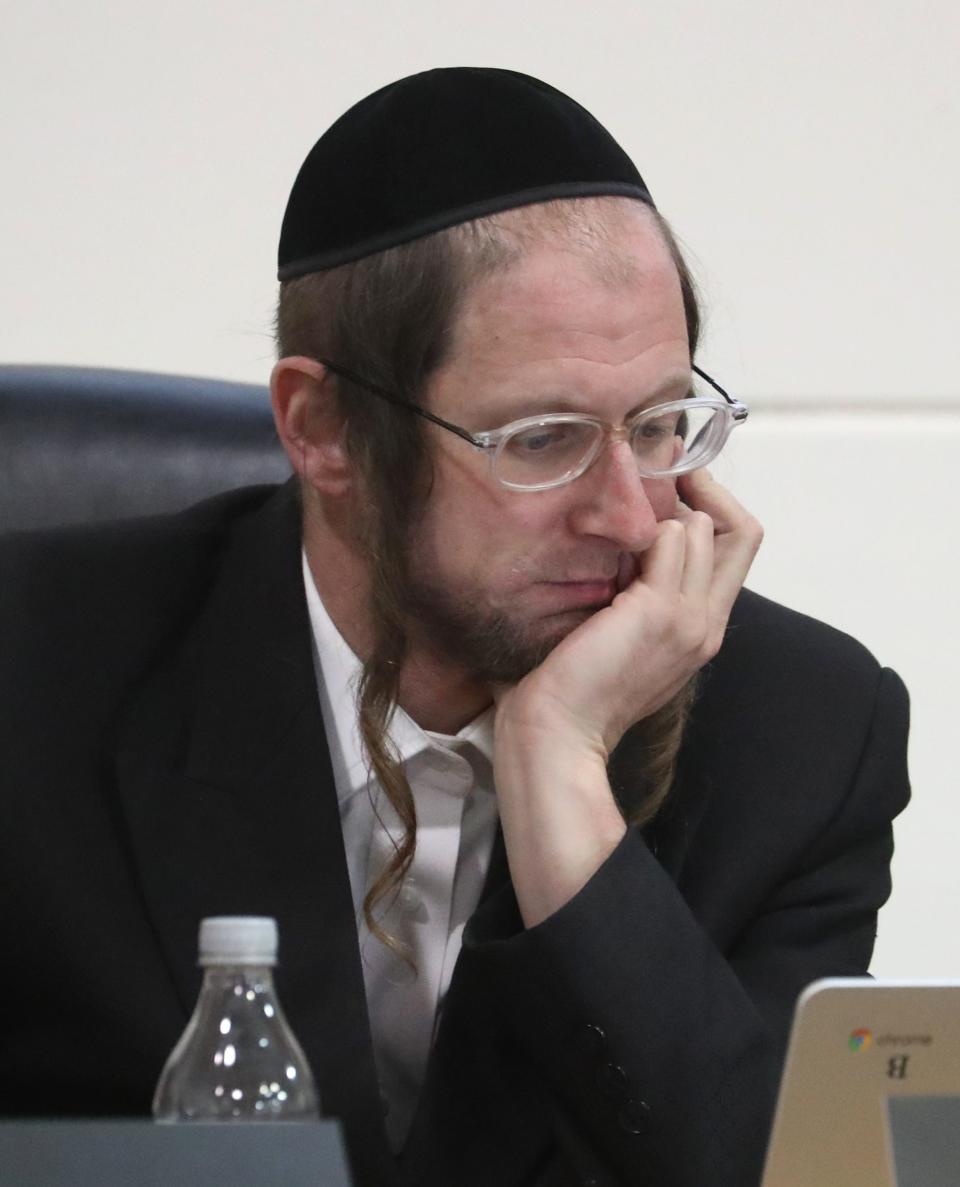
{"x": 611, "y": 501}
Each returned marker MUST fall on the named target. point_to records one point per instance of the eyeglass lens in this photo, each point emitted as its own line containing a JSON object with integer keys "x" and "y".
{"x": 548, "y": 452}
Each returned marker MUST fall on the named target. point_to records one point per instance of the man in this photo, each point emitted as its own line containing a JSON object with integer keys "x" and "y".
{"x": 556, "y": 821}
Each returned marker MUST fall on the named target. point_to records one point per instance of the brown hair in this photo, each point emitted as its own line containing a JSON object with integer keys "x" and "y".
{"x": 390, "y": 318}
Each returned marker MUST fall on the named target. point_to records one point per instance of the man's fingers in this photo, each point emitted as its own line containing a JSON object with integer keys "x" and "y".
{"x": 698, "y": 568}
{"x": 737, "y": 536}
{"x": 701, "y": 492}
{"x": 661, "y": 565}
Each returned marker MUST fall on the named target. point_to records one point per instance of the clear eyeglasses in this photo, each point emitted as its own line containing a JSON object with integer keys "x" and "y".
{"x": 540, "y": 452}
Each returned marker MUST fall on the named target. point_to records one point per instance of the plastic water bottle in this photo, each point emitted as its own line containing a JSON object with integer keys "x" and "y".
{"x": 238, "y": 1059}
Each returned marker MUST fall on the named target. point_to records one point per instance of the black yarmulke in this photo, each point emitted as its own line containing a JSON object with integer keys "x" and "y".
{"x": 437, "y": 149}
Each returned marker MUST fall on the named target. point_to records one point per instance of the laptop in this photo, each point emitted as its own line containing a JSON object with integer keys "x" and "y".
{"x": 870, "y": 1094}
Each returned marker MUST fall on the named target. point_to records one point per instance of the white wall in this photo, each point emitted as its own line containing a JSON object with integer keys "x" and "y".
{"x": 806, "y": 154}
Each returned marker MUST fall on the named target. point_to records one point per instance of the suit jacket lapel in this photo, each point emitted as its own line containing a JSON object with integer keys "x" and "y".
{"x": 227, "y": 790}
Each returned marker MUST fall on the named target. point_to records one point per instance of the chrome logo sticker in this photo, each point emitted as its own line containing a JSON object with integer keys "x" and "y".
{"x": 860, "y": 1040}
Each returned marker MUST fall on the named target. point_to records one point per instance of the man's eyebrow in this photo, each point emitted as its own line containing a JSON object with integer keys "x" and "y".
{"x": 675, "y": 387}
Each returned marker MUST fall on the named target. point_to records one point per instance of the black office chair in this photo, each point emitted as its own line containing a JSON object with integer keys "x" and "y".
{"x": 81, "y": 444}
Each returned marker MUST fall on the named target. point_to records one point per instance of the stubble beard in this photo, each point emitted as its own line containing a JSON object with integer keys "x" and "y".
{"x": 457, "y": 623}
{"x": 494, "y": 646}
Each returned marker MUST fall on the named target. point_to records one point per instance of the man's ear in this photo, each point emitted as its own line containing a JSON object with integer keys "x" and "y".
{"x": 309, "y": 423}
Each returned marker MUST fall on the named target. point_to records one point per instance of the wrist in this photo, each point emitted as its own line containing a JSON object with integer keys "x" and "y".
{"x": 539, "y": 728}
{"x": 559, "y": 815}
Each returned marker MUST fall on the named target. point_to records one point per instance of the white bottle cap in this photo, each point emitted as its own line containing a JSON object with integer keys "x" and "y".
{"x": 238, "y": 939}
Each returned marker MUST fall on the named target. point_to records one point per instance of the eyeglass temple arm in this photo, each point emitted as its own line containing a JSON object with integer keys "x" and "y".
{"x": 739, "y": 410}
{"x": 377, "y": 390}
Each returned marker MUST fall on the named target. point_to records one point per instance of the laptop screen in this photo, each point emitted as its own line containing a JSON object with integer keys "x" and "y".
{"x": 863, "y": 1057}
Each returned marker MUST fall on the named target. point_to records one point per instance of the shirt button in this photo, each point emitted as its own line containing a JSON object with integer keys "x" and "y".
{"x": 591, "y": 1040}
{"x": 409, "y": 901}
{"x": 613, "y": 1081}
{"x": 634, "y": 1116}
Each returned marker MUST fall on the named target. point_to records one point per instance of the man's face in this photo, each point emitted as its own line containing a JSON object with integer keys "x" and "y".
{"x": 498, "y": 577}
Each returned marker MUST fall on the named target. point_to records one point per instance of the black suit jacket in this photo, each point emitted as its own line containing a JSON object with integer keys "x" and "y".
{"x": 163, "y": 758}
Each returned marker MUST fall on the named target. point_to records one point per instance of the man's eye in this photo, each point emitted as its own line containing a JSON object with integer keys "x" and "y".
{"x": 542, "y": 440}
{"x": 656, "y": 430}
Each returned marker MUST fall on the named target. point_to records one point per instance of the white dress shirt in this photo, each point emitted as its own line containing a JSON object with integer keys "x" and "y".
{"x": 451, "y": 778}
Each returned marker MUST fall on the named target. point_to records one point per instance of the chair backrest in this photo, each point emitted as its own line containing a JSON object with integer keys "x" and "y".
{"x": 80, "y": 444}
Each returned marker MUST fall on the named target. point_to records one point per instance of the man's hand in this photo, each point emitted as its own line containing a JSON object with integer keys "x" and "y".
{"x": 628, "y": 659}
{"x": 556, "y": 729}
